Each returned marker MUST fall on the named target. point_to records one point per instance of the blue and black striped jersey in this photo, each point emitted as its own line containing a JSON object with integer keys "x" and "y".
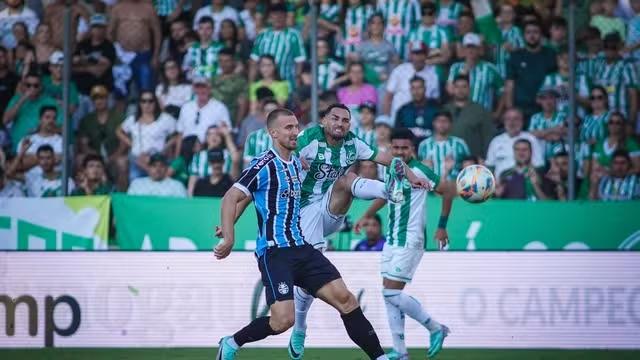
{"x": 275, "y": 186}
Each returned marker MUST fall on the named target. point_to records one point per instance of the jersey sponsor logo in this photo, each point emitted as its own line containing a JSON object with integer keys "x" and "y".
{"x": 283, "y": 288}
{"x": 326, "y": 171}
{"x": 267, "y": 157}
{"x": 290, "y": 193}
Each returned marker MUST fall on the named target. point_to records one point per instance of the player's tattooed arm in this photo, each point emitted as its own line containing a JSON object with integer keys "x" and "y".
{"x": 229, "y": 216}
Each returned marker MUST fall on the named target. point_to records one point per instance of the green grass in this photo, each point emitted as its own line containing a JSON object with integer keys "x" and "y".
{"x": 311, "y": 354}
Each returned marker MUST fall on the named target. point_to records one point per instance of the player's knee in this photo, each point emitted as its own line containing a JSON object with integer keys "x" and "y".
{"x": 281, "y": 323}
{"x": 346, "y": 302}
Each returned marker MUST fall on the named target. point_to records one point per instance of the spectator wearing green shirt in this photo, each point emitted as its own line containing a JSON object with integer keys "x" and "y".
{"x": 52, "y": 84}
{"x": 269, "y": 77}
{"x": 23, "y": 111}
{"x": 620, "y": 184}
{"x": 484, "y": 77}
{"x": 606, "y": 21}
{"x": 93, "y": 178}
{"x": 179, "y": 167}
{"x": 230, "y": 88}
{"x": 617, "y": 139}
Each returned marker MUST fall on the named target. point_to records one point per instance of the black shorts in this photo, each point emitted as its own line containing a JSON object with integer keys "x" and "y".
{"x": 302, "y": 266}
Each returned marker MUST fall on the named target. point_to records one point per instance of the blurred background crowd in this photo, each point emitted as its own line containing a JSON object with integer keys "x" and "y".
{"x": 169, "y": 97}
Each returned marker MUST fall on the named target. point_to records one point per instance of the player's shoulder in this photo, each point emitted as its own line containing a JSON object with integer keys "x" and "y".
{"x": 261, "y": 161}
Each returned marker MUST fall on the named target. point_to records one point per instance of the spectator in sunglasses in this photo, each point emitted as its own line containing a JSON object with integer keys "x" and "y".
{"x": 23, "y": 111}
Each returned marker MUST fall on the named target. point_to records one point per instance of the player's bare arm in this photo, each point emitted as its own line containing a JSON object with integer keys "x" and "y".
{"x": 240, "y": 208}
{"x": 228, "y": 215}
{"x": 447, "y": 190}
{"x": 384, "y": 158}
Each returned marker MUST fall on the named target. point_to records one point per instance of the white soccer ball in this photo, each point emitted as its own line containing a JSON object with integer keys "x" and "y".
{"x": 475, "y": 184}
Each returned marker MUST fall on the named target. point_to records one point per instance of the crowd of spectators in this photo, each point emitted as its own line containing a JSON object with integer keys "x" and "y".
{"x": 170, "y": 97}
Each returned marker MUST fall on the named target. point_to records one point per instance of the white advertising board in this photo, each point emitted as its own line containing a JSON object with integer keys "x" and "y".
{"x": 497, "y": 300}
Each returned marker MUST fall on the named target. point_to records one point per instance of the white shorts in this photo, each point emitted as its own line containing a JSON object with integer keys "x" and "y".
{"x": 317, "y": 222}
{"x": 400, "y": 263}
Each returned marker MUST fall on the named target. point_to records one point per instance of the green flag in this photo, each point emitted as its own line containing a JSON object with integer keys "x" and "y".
{"x": 485, "y": 22}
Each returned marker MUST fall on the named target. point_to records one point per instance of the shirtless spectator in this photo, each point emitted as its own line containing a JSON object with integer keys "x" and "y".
{"x": 54, "y": 17}
{"x": 135, "y": 30}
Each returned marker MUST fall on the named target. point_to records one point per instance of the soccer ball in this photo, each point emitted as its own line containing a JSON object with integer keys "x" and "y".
{"x": 475, "y": 184}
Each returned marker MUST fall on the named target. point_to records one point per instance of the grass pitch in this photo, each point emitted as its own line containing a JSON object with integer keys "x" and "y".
{"x": 310, "y": 354}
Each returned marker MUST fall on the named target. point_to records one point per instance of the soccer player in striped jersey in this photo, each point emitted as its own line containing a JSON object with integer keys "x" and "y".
{"x": 593, "y": 127}
{"x": 620, "y": 184}
{"x": 406, "y": 242}
{"x": 217, "y": 138}
{"x": 512, "y": 38}
{"x": 549, "y": 124}
{"x": 274, "y": 181}
{"x": 328, "y": 188}
{"x": 484, "y": 78}
{"x": 355, "y": 18}
{"x": 366, "y": 129}
{"x": 619, "y": 78}
{"x": 283, "y": 43}
{"x": 400, "y": 17}
{"x": 201, "y": 58}
{"x": 442, "y": 152}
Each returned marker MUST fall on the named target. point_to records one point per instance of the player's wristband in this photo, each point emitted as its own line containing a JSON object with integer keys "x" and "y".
{"x": 442, "y": 223}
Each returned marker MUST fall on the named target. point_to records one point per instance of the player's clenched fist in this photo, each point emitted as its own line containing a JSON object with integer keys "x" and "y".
{"x": 223, "y": 249}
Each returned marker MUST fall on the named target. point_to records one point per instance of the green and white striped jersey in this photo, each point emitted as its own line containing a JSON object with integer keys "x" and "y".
{"x": 286, "y": 46}
{"x": 327, "y": 163}
{"x": 329, "y": 12}
{"x": 400, "y": 17}
{"x": 432, "y": 36}
{"x": 200, "y": 164}
{"x": 561, "y": 84}
{"x": 485, "y": 81}
{"x": 589, "y": 66}
{"x": 448, "y": 14}
{"x": 594, "y": 127}
{"x": 202, "y": 61}
{"x": 619, "y": 189}
{"x": 512, "y": 36}
{"x": 257, "y": 142}
{"x": 539, "y": 122}
{"x": 354, "y": 28}
{"x": 617, "y": 78}
{"x": 408, "y": 220}
{"x": 582, "y": 153}
{"x": 438, "y": 151}
{"x": 369, "y": 136}
{"x": 327, "y": 72}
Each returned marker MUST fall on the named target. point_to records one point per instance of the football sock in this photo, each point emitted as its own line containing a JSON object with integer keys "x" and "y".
{"x": 257, "y": 330}
{"x": 361, "y": 332}
{"x": 303, "y": 302}
{"x": 368, "y": 189}
{"x": 395, "y": 318}
{"x": 412, "y": 307}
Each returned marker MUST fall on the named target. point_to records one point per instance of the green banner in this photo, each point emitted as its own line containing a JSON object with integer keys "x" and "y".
{"x": 61, "y": 223}
{"x": 151, "y": 223}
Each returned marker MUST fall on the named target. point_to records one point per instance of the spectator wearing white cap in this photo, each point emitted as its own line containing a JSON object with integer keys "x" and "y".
{"x": 398, "y": 91}
{"x": 484, "y": 77}
{"x": 199, "y": 114}
{"x": 52, "y": 84}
